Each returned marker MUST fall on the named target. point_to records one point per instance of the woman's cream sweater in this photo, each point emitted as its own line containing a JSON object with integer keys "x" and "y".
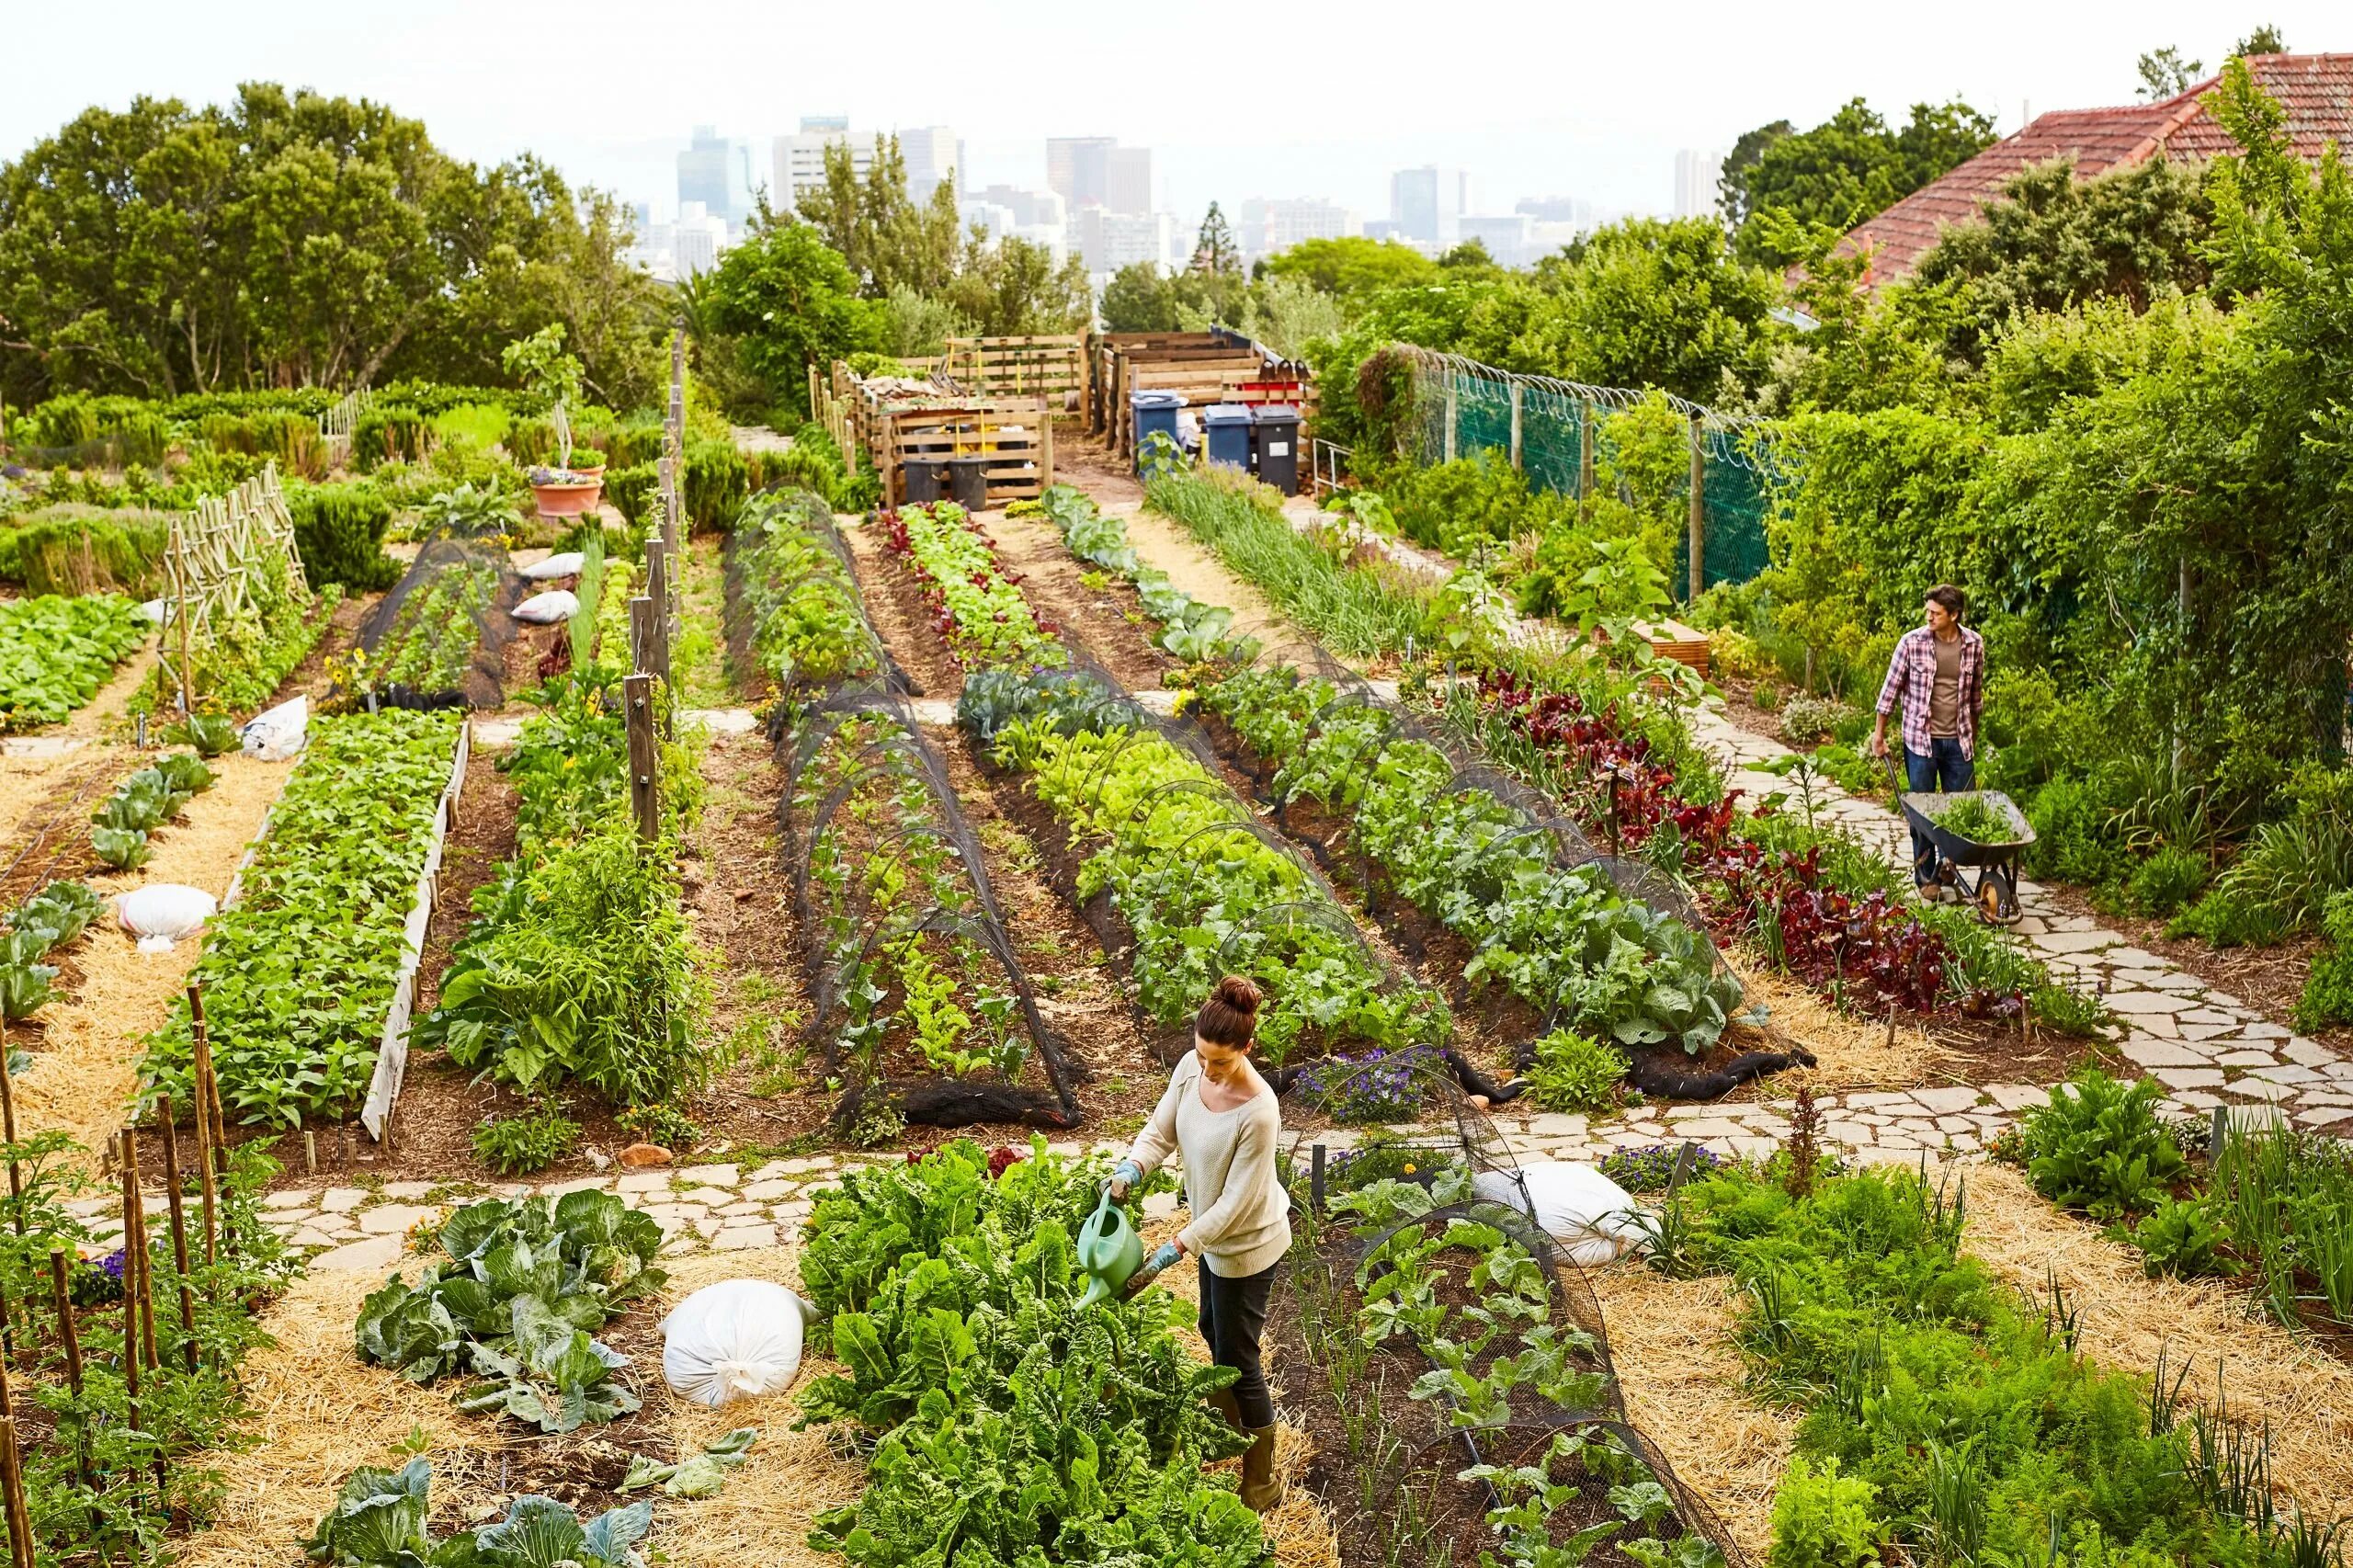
{"x": 1241, "y": 1214}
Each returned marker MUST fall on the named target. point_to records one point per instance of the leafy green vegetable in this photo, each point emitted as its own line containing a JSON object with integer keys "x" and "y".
{"x": 379, "y": 1516}
{"x": 56, "y": 652}
{"x": 124, "y": 849}
{"x": 808, "y": 628}
{"x": 327, "y": 894}
{"x": 520, "y": 1287}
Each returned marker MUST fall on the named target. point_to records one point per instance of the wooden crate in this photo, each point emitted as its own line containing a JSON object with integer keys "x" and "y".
{"x": 1016, "y": 435}
{"x": 1054, "y": 368}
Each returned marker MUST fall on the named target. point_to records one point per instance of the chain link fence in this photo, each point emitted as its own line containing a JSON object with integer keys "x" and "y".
{"x": 1553, "y": 432}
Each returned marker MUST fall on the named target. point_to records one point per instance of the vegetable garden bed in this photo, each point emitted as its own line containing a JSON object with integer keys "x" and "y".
{"x": 300, "y": 973}
{"x": 55, "y": 653}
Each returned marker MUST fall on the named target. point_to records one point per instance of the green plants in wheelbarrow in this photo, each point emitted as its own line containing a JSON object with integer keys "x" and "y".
{"x": 1977, "y": 819}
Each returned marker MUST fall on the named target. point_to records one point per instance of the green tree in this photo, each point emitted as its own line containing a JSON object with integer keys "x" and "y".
{"x": 888, "y": 240}
{"x": 1649, "y": 303}
{"x": 1138, "y": 299}
{"x": 1013, "y": 288}
{"x": 291, "y": 238}
{"x": 2165, "y": 74}
{"x": 1214, "y": 251}
{"x": 2265, "y": 40}
{"x": 1848, "y": 168}
{"x": 1732, "y": 180}
{"x": 1351, "y": 264}
{"x": 791, "y": 301}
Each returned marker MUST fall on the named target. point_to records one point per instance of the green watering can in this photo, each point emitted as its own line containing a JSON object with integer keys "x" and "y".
{"x": 1108, "y": 1249}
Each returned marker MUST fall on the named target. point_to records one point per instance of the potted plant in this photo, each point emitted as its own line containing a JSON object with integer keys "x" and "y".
{"x": 541, "y": 364}
{"x": 587, "y": 463}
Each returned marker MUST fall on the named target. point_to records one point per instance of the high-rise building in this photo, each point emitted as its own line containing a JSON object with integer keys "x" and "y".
{"x": 1127, "y": 179}
{"x": 696, "y": 240}
{"x": 1107, "y": 241}
{"x": 1508, "y": 236}
{"x": 1696, "y": 172}
{"x": 1074, "y": 168}
{"x": 1263, "y": 227}
{"x": 801, "y": 157}
{"x": 1557, "y": 209}
{"x": 1095, "y": 171}
{"x": 933, "y": 156}
{"x": 1002, "y": 211}
{"x": 706, "y": 171}
{"x": 1427, "y": 204}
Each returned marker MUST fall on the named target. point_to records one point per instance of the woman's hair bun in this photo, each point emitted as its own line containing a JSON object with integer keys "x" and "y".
{"x": 1231, "y": 1015}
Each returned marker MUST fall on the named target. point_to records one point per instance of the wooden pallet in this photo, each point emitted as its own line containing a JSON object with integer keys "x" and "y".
{"x": 1054, "y": 368}
{"x": 1017, "y": 436}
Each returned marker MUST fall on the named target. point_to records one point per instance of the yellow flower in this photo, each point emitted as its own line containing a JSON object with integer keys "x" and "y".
{"x": 1409, "y": 1170}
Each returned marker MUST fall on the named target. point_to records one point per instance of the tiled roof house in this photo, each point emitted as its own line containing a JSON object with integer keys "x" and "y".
{"x": 2316, "y": 90}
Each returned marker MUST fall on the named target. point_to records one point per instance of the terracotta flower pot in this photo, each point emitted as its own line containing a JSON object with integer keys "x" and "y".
{"x": 567, "y": 498}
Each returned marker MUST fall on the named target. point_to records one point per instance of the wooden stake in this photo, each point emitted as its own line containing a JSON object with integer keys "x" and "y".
{"x": 61, "y": 1298}
{"x": 12, "y": 1492}
{"x": 212, "y": 1136}
{"x": 139, "y": 1290}
{"x": 8, "y": 1130}
{"x": 1891, "y": 1025}
{"x": 644, "y": 788}
{"x": 309, "y": 1153}
{"x": 179, "y": 1227}
{"x": 1697, "y": 528}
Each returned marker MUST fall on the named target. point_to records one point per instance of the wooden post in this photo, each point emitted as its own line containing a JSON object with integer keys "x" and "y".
{"x": 1046, "y": 468}
{"x": 641, "y": 631}
{"x": 139, "y": 1290}
{"x": 9, "y": 1128}
{"x": 1451, "y": 405}
{"x": 204, "y": 1135}
{"x": 60, "y": 1294}
{"x": 179, "y": 1225}
{"x": 644, "y": 784}
{"x": 1699, "y": 578}
{"x": 1516, "y": 390}
{"x": 1585, "y": 450}
{"x": 12, "y": 1496}
{"x": 657, "y": 646}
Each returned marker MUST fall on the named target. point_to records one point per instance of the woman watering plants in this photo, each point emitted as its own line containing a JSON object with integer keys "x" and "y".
{"x": 1221, "y": 1116}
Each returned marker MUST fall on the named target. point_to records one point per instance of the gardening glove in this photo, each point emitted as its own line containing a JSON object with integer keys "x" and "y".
{"x": 1163, "y": 1257}
{"x": 1124, "y": 1177}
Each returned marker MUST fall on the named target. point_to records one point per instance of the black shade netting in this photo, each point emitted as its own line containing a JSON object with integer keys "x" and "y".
{"x": 439, "y": 639}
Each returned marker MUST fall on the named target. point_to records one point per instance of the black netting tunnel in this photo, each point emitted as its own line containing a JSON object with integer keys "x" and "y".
{"x": 439, "y": 639}
{"x": 1420, "y": 1270}
{"x": 1364, "y": 724}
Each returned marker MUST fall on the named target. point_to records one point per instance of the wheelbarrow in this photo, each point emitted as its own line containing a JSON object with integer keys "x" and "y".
{"x": 1985, "y": 874}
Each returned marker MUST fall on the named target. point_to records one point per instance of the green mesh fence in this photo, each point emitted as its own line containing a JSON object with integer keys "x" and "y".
{"x": 1464, "y": 408}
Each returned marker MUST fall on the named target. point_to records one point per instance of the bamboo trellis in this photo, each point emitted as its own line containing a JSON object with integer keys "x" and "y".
{"x": 211, "y": 563}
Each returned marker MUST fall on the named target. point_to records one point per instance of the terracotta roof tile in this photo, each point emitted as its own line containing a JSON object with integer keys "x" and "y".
{"x": 2315, "y": 89}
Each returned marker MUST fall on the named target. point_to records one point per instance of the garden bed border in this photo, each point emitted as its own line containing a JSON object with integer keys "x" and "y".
{"x": 391, "y": 1051}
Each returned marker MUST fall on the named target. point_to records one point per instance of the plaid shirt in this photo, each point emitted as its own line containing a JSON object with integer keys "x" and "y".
{"x": 1911, "y": 676}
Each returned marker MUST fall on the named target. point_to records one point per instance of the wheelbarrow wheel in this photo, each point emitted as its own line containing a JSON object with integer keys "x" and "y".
{"x": 1997, "y": 897}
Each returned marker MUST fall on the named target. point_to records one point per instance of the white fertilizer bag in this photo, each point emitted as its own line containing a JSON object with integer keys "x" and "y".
{"x": 164, "y": 912}
{"x": 278, "y": 734}
{"x": 737, "y": 1339}
{"x": 545, "y": 610}
{"x": 1576, "y": 1206}
{"x": 565, "y": 566}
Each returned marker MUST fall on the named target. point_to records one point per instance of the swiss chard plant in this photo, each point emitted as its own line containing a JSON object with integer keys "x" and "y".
{"x": 975, "y": 602}
{"x": 806, "y": 626}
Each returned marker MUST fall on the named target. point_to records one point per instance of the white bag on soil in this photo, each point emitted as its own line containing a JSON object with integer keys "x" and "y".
{"x": 737, "y": 1339}
{"x": 565, "y": 565}
{"x": 1577, "y": 1205}
{"x": 278, "y": 734}
{"x": 545, "y": 610}
{"x": 164, "y": 912}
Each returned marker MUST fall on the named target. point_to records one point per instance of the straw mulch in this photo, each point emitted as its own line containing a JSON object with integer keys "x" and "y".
{"x": 2268, "y": 1375}
{"x": 1853, "y": 1053}
{"x": 86, "y": 1073}
{"x": 108, "y": 708}
{"x": 1682, "y": 1379}
{"x": 320, "y": 1413}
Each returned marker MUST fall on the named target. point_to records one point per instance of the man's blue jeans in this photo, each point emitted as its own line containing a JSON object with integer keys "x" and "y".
{"x": 1945, "y": 767}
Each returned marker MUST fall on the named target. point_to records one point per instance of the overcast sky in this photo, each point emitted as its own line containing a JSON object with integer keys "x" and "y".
{"x": 1305, "y": 99}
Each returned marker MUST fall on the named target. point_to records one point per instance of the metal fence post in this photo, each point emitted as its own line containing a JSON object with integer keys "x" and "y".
{"x": 1585, "y": 450}
{"x": 1516, "y": 390}
{"x": 1450, "y": 413}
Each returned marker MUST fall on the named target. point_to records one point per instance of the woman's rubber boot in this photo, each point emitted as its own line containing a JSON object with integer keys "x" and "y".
{"x": 1262, "y": 1490}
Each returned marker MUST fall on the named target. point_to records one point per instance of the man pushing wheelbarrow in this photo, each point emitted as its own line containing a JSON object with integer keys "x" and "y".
{"x": 1937, "y": 678}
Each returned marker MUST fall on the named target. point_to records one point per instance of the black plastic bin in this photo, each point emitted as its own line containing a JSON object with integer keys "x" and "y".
{"x": 921, "y": 479}
{"x": 1274, "y": 443}
{"x": 968, "y": 482}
